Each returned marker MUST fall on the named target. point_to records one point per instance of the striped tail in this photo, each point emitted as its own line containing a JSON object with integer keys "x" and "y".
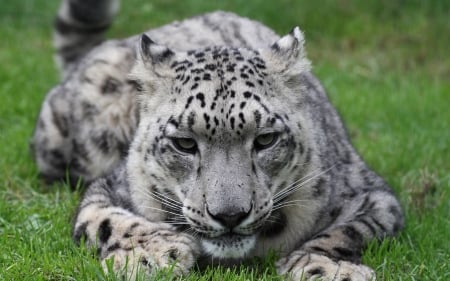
{"x": 79, "y": 26}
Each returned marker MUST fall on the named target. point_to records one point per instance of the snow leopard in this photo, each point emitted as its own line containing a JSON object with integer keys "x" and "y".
{"x": 206, "y": 141}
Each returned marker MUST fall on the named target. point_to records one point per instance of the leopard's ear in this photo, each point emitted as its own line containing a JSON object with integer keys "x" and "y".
{"x": 153, "y": 53}
{"x": 153, "y": 67}
{"x": 154, "y": 58}
{"x": 287, "y": 56}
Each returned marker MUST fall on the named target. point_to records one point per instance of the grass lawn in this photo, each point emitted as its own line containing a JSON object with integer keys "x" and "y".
{"x": 386, "y": 67}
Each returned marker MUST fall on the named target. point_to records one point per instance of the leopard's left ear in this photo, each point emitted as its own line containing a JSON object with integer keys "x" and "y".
{"x": 287, "y": 56}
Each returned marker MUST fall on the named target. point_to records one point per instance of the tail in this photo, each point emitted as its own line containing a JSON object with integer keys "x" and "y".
{"x": 79, "y": 26}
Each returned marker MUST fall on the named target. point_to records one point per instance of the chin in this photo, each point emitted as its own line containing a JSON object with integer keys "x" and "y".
{"x": 229, "y": 246}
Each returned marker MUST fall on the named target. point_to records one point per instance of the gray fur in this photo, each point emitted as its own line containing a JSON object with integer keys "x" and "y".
{"x": 213, "y": 145}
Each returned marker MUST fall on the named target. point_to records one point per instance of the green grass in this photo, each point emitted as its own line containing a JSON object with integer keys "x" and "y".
{"x": 385, "y": 64}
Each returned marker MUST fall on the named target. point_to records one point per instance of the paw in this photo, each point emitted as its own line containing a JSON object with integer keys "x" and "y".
{"x": 143, "y": 253}
{"x": 306, "y": 266}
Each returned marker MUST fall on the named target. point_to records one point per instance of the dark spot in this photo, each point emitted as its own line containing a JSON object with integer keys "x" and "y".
{"x": 189, "y": 100}
{"x": 144, "y": 262}
{"x": 249, "y": 84}
{"x": 241, "y": 116}
{"x": 344, "y": 253}
{"x": 316, "y": 271}
{"x": 322, "y": 236}
{"x": 352, "y": 233}
{"x": 206, "y": 117}
{"x": 80, "y": 232}
{"x": 180, "y": 68}
{"x": 207, "y": 76}
{"x": 380, "y": 226}
{"x": 173, "y": 122}
{"x": 247, "y": 94}
{"x": 104, "y": 231}
{"x": 201, "y": 98}
{"x": 66, "y": 28}
{"x": 275, "y": 47}
{"x": 232, "y": 122}
{"x": 191, "y": 119}
{"x": 369, "y": 226}
{"x": 113, "y": 247}
{"x": 320, "y": 250}
{"x": 186, "y": 80}
{"x": 137, "y": 85}
{"x": 103, "y": 141}
{"x": 134, "y": 225}
{"x": 260, "y": 66}
{"x": 211, "y": 67}
{"x": 394, "y": 211}
{"x": 318, "y": 188}
{"x": 257, "y": 116}
{"x": 335, "y": 212}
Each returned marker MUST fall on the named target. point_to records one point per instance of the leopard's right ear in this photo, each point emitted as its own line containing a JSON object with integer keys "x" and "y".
{"x": 154, "y": 58}
{"x": 153, "y": 53}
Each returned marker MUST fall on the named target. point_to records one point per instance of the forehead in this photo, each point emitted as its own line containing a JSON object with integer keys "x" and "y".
{"x": 222, "y": 88}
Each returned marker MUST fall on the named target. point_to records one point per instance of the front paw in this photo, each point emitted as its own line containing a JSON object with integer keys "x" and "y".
{"x": 147, "y": 251}
{"x": 301, "y": 265}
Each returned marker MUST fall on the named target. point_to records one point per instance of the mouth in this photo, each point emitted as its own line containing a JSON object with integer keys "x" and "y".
{"x": 229, "y": 246}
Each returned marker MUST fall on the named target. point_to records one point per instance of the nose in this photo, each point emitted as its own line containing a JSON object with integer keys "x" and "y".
{"x": 230, "y": 219}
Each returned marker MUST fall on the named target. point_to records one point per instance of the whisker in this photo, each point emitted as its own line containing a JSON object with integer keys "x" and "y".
{"x": 288, "y": 202}
{"x": 192, "y": 232}
{"x": 165, "y": 211}
{"x": 177, "y": 223}
{"x": 176, "y": 220}
{"x": 292, "y": 185}
{"x": 159, "y": 200}
{"x": 287, "y": 205}
{"x": 271, "y": 221}
{"x": 165, "y": 197}
{"x": 165, "y": 202}
{"x": 286, "y": 192}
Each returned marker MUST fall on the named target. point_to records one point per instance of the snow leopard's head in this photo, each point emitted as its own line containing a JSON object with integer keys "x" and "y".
{"x": 221, "y": 140}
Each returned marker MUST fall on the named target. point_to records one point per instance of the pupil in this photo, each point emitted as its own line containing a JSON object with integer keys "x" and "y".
{"x": 186, "y": 143}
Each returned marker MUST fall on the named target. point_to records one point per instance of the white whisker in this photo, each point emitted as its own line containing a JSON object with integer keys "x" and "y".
{"x": 289, "y": 204}
{"x": 294, "y": 187}
{"x": 165, "y": 211}
{"x": 167, "y": 198}
{"x": 163, "y": 200}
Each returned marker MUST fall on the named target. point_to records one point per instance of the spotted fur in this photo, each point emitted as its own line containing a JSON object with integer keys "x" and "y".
{"x": 215, "y": 144}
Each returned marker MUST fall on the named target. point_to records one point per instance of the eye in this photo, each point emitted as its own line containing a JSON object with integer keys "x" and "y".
{"x": 265, "y": 140}
{"x": 186, "y": 145}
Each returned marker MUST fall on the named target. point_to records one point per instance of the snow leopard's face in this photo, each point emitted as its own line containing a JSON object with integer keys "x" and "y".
{"x": 218, "y": 141}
